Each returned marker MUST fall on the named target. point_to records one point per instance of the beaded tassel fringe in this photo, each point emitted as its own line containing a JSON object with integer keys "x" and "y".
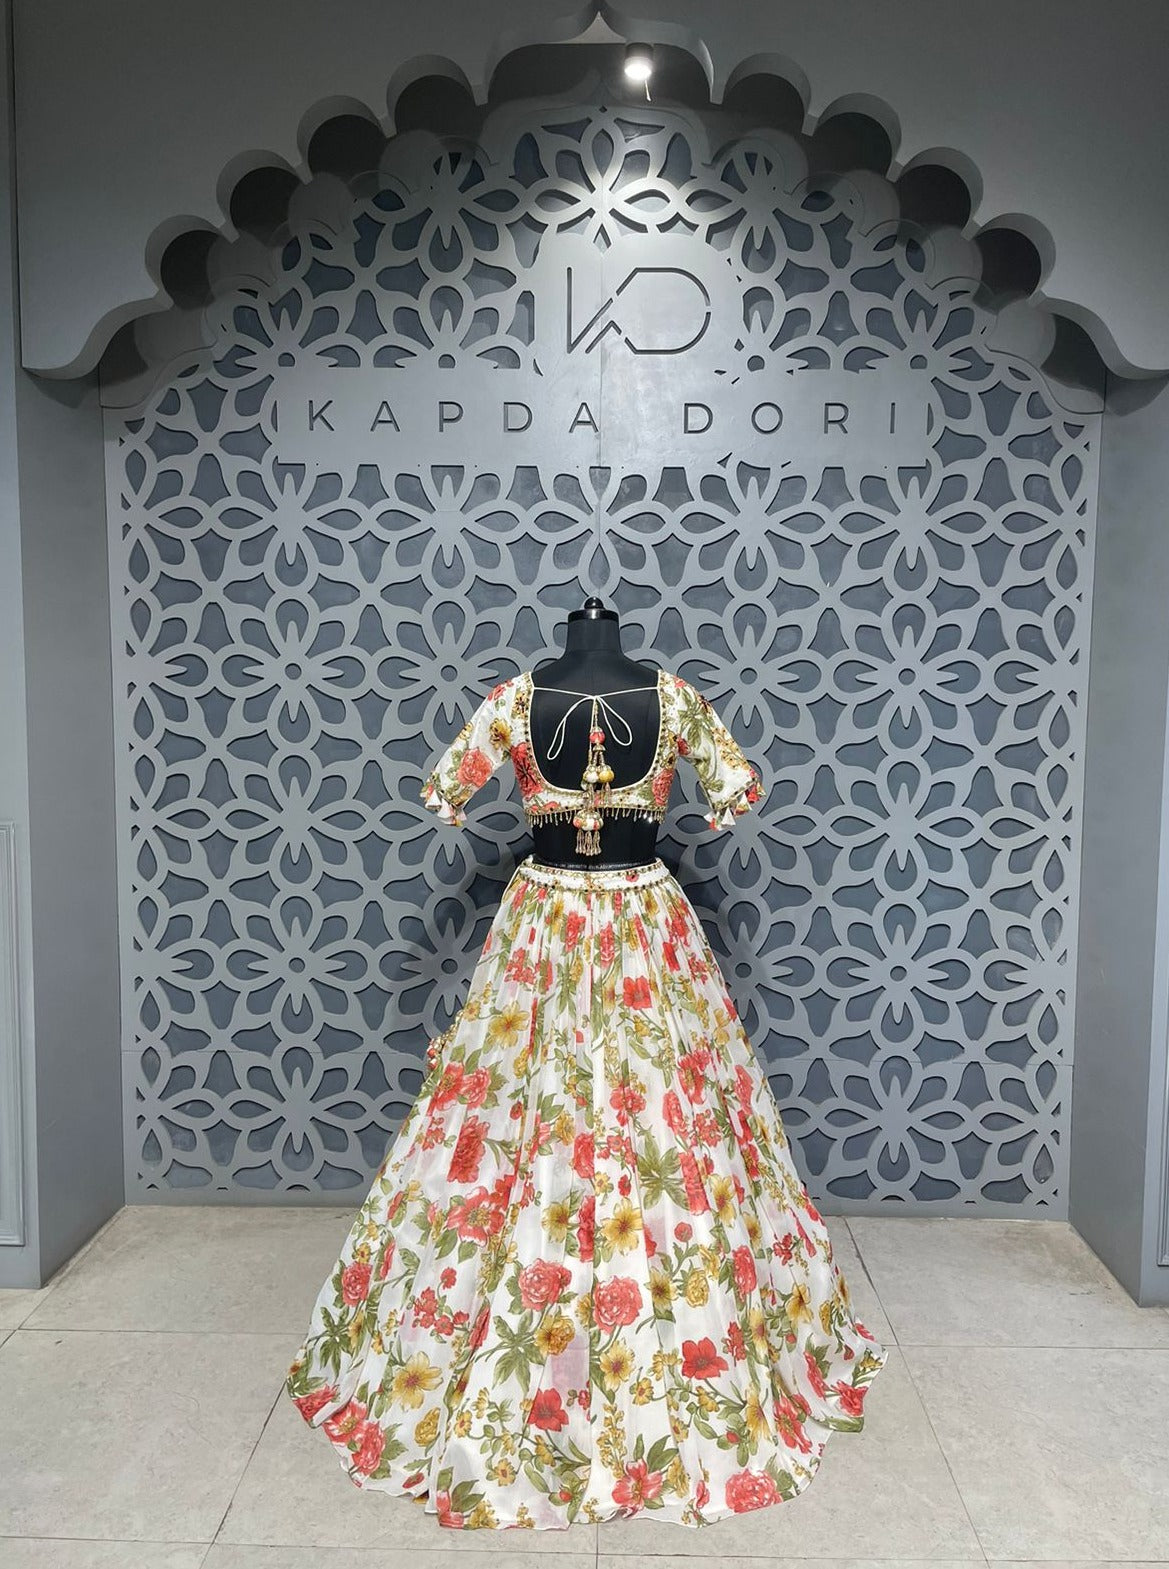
{"x": 596, "y": 779}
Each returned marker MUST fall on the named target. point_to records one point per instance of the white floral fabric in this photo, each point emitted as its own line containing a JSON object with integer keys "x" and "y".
{"x": 587, "y": 1280}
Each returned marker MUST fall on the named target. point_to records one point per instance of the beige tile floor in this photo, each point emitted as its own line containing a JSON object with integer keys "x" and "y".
{"x": 1023, "y": 1416}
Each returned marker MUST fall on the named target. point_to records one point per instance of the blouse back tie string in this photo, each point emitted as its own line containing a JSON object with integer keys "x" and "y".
{"x": 598, "y": 775}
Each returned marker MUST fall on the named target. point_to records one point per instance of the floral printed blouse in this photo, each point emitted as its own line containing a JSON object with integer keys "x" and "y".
{"x": 688, "y": 727}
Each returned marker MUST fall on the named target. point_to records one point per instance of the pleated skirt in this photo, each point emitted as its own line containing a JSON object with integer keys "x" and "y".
{"x": 587, "y": 1280}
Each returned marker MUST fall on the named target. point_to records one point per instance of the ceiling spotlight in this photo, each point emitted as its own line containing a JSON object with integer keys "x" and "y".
{"x": 639, "y": 62}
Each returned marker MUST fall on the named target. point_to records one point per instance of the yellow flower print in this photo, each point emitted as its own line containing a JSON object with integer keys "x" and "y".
{"x": 754, "y": 1416}
{"x": 565, "y": 1128}
{"x": 711, "y": 1260}
{"x": 602, "y": 1184}
{"x": 676, "y": 1479}
{"x": 799, "y": 1304}
{"x": 624, "y": 1229}
{"x": 481, "y": 1400}
{"x": 722, "y": 1198}
{"x": 462, "y": 1424}
{"x": 584, "y": 1309}
{"x": 697, "y": 1290}
{"x": 643, "y": 1392}
{"x": 427, "y": 1430}
{"x": 504, "y": 1029}
{"x": 758, "y": 1328}
{"x": 412, "y": 1381}
{"x": 707, "y": 1401}
{"x": 481, "y": 1518}
{"x": 544, "y": 1450}
{"x": 826, "y": 1316}
{"x": 661, "y": 1289}
{"x": 660, "y": 1361}
{"x": 751, "y": 1227}
{"x": 616, "y": 1364}
{"x": 504, "y": 1473}
{"x": 554, "y": 1218}
{"x": 553, "y": 1335}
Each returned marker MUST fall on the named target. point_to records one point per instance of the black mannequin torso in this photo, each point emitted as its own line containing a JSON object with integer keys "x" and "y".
{"x": 593, "y": 662}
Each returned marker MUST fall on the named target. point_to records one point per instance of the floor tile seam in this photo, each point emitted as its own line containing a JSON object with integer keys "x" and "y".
{"x": 946, "y": 1460}
{"x": 244, "y": 1468}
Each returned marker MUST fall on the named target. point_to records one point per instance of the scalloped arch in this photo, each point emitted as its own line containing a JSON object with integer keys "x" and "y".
{"x": 171, "y": 331}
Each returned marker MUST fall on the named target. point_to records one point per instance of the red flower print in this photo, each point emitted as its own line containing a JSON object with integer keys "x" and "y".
{"x": 638, "y": 1484}
{"x": 691, "y": 1069}
{"x": 477, "y": 1217}
{"x": 637, "y": 992}
{"x": 745, "y": 1276}
{"x": 701, "y": 1494}
{"x": 542, "y": 1283}
{"x": 605, "y": 944}
{"x": 573, "y": 927}
{"x": 475, "y": 769}
{"x": 447, "y": 1279}
{"x": 616, "y": 1302}
{"x": 706, "y": 1128}
{"x": 627, "y": 1102}
{"x": 586, "y": 1226}
{"x": 355, "y": 1283}
{"x": 743, "y": 1085}
{"x": 736, "y": 1344}
{"x": 813, "y": 1212}
{"x": 479, "y": 1333}
{"x": 447, "y": 1515}
{"x": 425, "y": 1308}
{"x": 526, "y": 776}
{"x": 660, "y": 785}
{"x": 670, "y": 954}
{"x": 309, "y": 1405}
{"x": 582, "y": 1156}
{"x": 852, "y": 1397}
{"x": 475, "y": 1086}
{"x": 789, "y": 1419}
{"x": 387, "y": 1258}
{"x": 449, "y": 1086}
{"x": 751, "y": 1490}
{"x": 672, "y": 1111}
{"x": 624, "y": 1185}
{"x": 700, "y": 1359}
{"x": 696, "y": 1198}
{"x": 651, "y": 1244}
{"x": 346, "y": 1421}
{"x": 369, "y": 1452}
{"x": 468, "y": 1153}
{"x": 815, "y": 1377}
{"x": 547, "y": 1411}
{"x": 683, "y": 1231}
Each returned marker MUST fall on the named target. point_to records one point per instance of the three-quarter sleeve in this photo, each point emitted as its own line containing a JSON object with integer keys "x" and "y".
{"x": 730, "y": 782}
{"x": 471, "y": 758}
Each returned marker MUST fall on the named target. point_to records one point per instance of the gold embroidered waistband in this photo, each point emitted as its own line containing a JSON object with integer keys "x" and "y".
{"x": 592, "y": 877}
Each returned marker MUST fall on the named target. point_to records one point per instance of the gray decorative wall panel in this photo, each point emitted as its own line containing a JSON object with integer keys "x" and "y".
{"x": 781, "y": 434}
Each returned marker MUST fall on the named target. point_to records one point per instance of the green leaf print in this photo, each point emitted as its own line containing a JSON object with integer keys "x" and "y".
{"x": 659, "y": 1173}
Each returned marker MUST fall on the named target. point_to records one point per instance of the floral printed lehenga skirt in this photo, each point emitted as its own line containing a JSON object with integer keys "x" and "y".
{"x": 587, "y": 1280}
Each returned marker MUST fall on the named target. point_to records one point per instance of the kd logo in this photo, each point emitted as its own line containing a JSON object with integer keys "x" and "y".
{"x": 663, "y": 310}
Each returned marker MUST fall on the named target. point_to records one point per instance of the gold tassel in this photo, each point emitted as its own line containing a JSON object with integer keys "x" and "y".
{"x": 595, "y": 782}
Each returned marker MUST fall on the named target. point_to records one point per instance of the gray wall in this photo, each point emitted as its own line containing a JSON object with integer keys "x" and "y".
{"x": 1053, "y": 109}
{"x": 1118, "y": 1194}
{"x": 56, "y": 791}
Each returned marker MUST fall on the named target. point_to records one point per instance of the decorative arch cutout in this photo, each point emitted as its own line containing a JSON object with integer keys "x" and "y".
{"x": 854, "y": 140}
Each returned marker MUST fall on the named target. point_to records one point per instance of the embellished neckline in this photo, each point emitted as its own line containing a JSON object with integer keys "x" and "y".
{"x": 546, "y": 786}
